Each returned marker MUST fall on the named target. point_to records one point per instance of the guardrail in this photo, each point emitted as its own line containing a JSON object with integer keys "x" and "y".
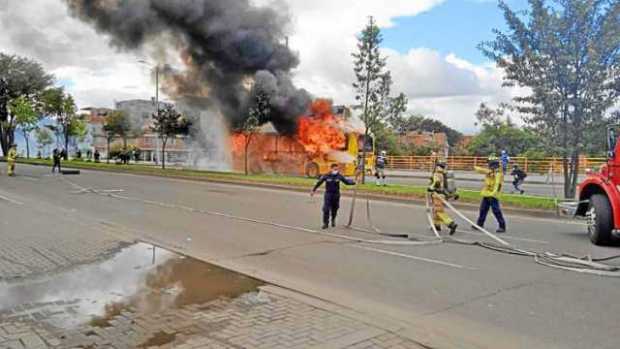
{"x": 467, "y": 163}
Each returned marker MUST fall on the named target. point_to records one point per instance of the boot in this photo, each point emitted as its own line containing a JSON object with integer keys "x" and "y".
{"x": 333, "y": 223}
{"x": 325, "y": 226}
{"x": 501, "y": 230}
{"x": 452, "y": 228}
{"x": 438, "y": 227}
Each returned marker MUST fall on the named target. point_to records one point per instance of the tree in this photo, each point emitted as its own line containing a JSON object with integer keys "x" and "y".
{"x": 566, "y": 52}
{"x": 500, "y": 133}
{"x": 258, "y": 112}
{"x": 18, "y": 77}
{"x": 117, "y": 123}
{"x": 422, "y": 123}
{"x": 371, "y": 79}
{"x": 396, "y": 109}
{"x": 61, "y": 106}
{"x": 44, "y": 138}
{"x": 26, "y": 118}
{"x": 168, "y": 123}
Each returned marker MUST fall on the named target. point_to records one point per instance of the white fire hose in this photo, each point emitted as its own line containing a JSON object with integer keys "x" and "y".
{"x": 564, "y": 262}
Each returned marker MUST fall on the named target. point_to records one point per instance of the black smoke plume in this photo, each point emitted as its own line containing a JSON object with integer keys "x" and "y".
{"x": 228, "y": 46}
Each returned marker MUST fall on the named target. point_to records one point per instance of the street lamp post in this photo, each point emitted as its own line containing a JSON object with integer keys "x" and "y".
{"x": 158, "y": 157}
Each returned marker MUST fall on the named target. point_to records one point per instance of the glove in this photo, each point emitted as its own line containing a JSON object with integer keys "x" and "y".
{"x": 430, "y": 190}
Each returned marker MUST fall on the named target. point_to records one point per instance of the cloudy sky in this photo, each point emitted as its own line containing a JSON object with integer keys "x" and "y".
{"x": 430, "y": 44}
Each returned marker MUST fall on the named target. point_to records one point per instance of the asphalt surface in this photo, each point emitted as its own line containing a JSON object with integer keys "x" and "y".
{"x": 451, "y": 295}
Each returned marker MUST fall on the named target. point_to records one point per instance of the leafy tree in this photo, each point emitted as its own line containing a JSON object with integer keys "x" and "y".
{"x": 566, "y": 52}
{"x": 169, "y": 123}
{"x": 26, "y": 118}
{"x": 44, "y": 138}
{"x": 259, "y": 111}
{"x": 369, "y": 67}
{"x": 421, "y": 123}
{"x": 19, "y": 76}
{"x": 499, "y": 133}
{"x": 62, "y": 108}
{"x": 114, "y": 124}
{"x": 396, "y": 110}
{"x": 118, "y": 124}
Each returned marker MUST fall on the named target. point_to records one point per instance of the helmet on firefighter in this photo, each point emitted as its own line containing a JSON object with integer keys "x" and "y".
{"x": 441, "y": 166}
{"x": 383, "y": 153}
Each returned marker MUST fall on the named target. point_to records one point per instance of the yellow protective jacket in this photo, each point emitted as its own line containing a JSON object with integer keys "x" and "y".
{"x": 437, "y": 182}
{"x": 493, "y": 181}
{"x": 12, "y": 155}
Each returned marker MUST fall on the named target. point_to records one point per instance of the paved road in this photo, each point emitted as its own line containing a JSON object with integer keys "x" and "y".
{"x": 450, "y": 295}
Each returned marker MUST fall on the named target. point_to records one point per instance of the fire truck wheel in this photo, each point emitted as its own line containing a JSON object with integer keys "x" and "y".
{"x": 312, "y": 170}
{"x": 599, "y": 218}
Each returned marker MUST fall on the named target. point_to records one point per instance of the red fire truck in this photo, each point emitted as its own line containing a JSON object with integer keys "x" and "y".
{"x": 599, "y": 195}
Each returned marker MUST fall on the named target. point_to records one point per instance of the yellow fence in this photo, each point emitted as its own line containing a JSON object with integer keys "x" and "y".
{"x": 467, "y": 163}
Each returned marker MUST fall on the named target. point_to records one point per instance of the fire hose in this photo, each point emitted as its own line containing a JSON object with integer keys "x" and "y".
{"x": 368, "y": 215}
{"x": 585, "y": 265}
{"x": 559, "y": 261}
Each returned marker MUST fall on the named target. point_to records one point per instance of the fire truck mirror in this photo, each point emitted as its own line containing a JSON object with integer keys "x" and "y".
{"x": 612, "y": 139}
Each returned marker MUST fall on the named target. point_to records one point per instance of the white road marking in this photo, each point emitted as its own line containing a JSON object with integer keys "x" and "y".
{"x": 7, "y": 199}
{"x": 408, "y": 256}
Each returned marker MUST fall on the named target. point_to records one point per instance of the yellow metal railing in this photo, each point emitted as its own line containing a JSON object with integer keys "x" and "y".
{"x": 467, "y": 163}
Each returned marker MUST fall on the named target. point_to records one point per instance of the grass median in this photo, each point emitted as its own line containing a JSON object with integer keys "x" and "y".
{"x": 395, "y": 190}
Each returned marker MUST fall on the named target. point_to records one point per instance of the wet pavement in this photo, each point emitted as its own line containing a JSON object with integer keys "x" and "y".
{"x": 148, "y": 297}
{"x": 141, "y": 277}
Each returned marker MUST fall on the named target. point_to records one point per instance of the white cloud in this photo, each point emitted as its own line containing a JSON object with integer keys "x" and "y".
{"x": 323, "y": 32}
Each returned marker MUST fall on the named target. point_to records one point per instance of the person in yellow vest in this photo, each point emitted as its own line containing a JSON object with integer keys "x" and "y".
{"x": 493, "y": 180}
{"x": 438, "y": 191}
{"x": 11, "y": 157}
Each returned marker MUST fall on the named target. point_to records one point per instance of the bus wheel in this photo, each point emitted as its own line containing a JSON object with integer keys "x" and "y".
{"x": 312, "y": 170}
{"x": 599, "y": 220}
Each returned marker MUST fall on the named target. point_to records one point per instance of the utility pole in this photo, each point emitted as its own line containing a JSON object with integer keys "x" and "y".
{"x": 157, "y": 103}
{"x": 157, "y": 156}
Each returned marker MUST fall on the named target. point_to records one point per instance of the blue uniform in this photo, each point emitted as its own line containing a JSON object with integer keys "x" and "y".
{"x": 331, "y": 202}
{"x": 505, "y": 159}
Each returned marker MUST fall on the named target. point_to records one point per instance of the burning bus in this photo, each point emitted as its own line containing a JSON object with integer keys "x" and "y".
{"x": 325, "y": 136}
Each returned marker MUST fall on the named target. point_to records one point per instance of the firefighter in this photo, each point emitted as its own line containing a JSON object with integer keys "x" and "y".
{"x": 493, "y": 180}
{"x": 380, "y": 163}
{"x": 11, "y": 157}
{"x": 331, "y": 202}
{"x": 439, "y": 189}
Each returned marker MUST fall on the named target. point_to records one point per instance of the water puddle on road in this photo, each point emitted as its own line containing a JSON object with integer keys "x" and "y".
{"x": 139, "y": 279}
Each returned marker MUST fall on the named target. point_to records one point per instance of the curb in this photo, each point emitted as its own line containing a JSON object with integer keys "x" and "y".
{"x": 539, "y": 213}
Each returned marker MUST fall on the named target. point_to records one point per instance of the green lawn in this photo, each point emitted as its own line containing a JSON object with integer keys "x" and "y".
{"x": 408, "y": 191}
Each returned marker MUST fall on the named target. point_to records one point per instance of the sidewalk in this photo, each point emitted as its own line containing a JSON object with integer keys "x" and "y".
{"x": 533, "y": 178}
{"x": 270, "y": 318}
{"x": 94, "y": 267}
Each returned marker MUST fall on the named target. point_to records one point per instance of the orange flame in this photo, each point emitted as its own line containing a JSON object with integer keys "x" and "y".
{"x": 321, "y": 132}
